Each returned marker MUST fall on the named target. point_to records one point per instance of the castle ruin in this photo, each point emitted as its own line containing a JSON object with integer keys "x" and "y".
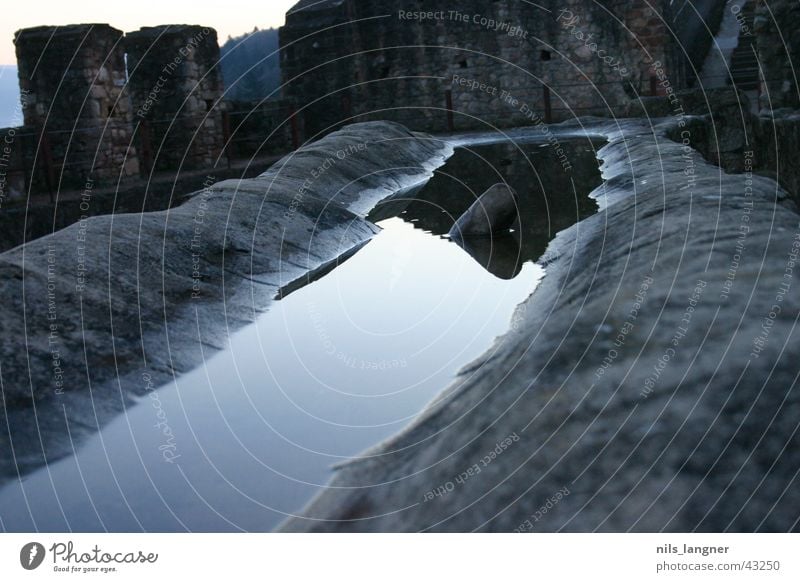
{"x": 74, "y": 83}
{"x": 438, "y": 66}
{"x": 176, "y": 91}
{"x": 101, "y": 106}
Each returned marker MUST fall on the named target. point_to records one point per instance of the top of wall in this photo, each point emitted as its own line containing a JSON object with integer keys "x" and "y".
{"x": 312, "y": 14}
{"x": 314, "y": 5}
{"x": 167, "y": 30}
{"x": 69, "y": 30}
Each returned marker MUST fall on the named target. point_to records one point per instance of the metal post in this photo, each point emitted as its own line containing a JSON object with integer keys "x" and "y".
{"x": 27, "y": 173}
{"x": 146, "y": 145}
{"x": 230, "y": 147}
{"x": 548, "y": 111}
{"x": 47, "y": 160}
{"x": 347, "y": 107}
{"x": 295, "y": 129}
{"x": 448, "y": 97}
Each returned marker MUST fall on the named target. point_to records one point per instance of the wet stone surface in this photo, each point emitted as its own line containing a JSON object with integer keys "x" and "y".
{"x": 550, "y": 197}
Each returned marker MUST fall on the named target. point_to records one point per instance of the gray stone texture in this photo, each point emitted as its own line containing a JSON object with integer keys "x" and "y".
{"x": 73, "y": 78}
{"x": 346, "y": 59}
{"x": 651, "y": 376}
{"x": 113, "y": 306}
{"x": 176, "y": 88}
{"x": 722, "y": 127}
{"x": 778, "y": 43}
{"x": 492, "y": 214}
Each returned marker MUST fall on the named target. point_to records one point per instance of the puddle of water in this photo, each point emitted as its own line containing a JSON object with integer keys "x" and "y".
{"x": 332, "y": 369}
{"x": 255, "y": 431}
{"x": 552, "y": 198}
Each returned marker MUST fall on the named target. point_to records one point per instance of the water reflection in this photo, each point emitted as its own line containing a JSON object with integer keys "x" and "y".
{"x": 332, "y": 369}
{"x": 329, "y": 371}
{"x": 551, "y": 199}
{"x": 500, "y": 255}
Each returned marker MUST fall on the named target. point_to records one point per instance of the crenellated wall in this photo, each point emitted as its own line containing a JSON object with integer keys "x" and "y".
{"x": 73, "y": 80}
{"x": 176, "y": 90}
{"x": 101, "y": 107}
{"x": 430, "y": 66}
{"x": 102, "y": 111}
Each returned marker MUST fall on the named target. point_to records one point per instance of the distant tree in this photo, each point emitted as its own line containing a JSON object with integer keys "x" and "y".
{"x": 250, "y": 65}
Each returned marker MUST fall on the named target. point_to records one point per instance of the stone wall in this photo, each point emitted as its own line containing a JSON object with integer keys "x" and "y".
{"x": 21, "y": 222}
{"x": 492, "y": 61}
{"x": 17, "y": 154}
{"x": 721, "y": 127}
{"x": 257, "y": 128}
{"x": 176, "y": 90}
{"x": 73, "y": 78}
{"x": 778, "y": 42}
{"x": 96, "y": 124}
{"x": 693, "y": 26}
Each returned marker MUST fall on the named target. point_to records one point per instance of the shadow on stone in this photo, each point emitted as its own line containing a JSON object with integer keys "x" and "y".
{"x": 501, "y": 255}
{"x": 491, "y": 215}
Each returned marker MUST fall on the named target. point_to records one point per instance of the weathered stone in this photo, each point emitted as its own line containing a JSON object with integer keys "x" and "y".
{"x": 778, "y": 53}
{"x": 722, "y": 102}
{"x": 173, "y": 74}
{"x": 719, "y": 124}
{"x": 115, "y": 306}
{"x": 638, "y": 387}
{"x": 381, "y": 41}
{"x": 71, "y": 77}
{"x": 492, "y": 214}
{"x": 500, "y": 255}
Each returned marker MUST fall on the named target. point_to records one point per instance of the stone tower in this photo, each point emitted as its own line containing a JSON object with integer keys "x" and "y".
{"x": 176, "y": 89}
{"x": 73, "y": 78}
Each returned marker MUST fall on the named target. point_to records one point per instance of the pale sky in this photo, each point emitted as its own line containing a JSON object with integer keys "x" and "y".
{"x": 229, "y": 17}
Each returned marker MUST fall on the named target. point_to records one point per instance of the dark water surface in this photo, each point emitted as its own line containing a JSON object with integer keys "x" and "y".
{"x": 331, "y": 370}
